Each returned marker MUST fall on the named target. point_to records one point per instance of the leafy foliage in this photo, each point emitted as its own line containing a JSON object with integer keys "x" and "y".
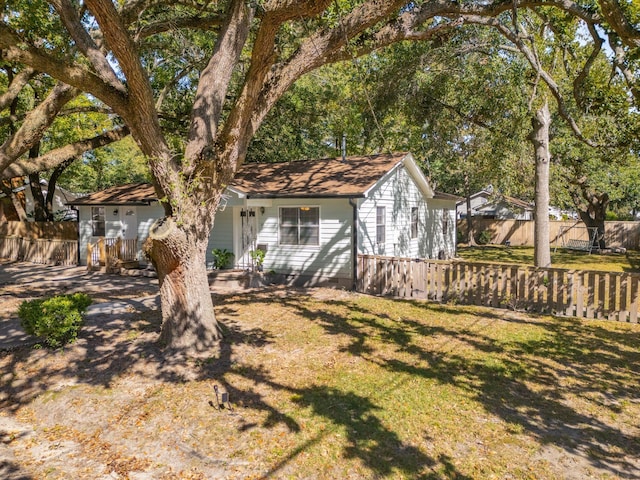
{"x": 57, "y": 320}
{"x": 116, "y": 164}
{"x": 221, "y": 258}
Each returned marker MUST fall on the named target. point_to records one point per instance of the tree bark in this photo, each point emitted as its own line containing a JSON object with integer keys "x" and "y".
{"x": 39, "y": 209}
{"x": 7, "y": 188}
{"x": 53, "y": 181}
{"x": 188, "y": 318}
{"x": 471, "y": 239}
{"x": 594, "y": 213}
{"x": 540, "y": 140}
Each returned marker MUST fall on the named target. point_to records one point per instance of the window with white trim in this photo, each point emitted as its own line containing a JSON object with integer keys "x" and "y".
{"x": 97, "y": 221}
{"x": 380, "y": 225}
{"x": 299, "y": 226}
{"x": 414, "y": 222}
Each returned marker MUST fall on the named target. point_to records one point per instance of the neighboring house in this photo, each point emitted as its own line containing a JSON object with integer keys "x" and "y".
{"x": 20, "y": 186}
{"x": 302, "y": 214}
{"x": 477, "y": 200}
{"x": 555, "y": 213}
{"x": 487, "y": 204}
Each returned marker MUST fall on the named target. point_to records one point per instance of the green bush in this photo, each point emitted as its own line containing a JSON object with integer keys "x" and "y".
{"x": 484, "y": 238}
{"x": 57, "y": 320}
{"x": 221, "y": 258}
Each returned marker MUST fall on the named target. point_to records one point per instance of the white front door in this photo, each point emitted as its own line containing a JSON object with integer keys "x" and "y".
{"x": 247, "y": 234}
{"x": 128, "y": 222}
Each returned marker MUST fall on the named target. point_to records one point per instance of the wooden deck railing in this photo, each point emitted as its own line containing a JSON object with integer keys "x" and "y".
{"x": 45, "y": 251}
{"x": 110, "y": 252}
{"x": 583, "y": 294}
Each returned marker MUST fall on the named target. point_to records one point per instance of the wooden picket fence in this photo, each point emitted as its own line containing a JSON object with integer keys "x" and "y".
{"x": 583, "y": 294}
{"x": 44, "y": 251}
{"x": 112, "y": 253}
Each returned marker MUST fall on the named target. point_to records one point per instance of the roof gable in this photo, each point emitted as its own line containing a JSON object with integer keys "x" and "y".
{"x": 507, "y": 202}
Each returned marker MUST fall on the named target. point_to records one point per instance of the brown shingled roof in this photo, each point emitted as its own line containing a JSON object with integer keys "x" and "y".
{"x": 329, "y": 177}
{"x": 130, "y": 194}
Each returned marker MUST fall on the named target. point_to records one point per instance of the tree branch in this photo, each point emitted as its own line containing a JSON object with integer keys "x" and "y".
{"x": 214, "y": 82}
{"x": 196, "y": 22}
{"x": 85, "y": 43}
{"x": 619, "y": 23}
{"x": 15, "y": 87}
{"x": 14, "y": 48}
{"x": 620, "y": 62}
{"x": 578, "y": 82}
{"x": 535, "y": 64}
{"x": 56, "y": 157}
{"x": 35, "y": 124}
{"x": 144, "y": 120}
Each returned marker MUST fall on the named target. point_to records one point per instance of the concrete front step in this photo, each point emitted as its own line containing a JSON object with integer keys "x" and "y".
{"x": 240, "y": 279}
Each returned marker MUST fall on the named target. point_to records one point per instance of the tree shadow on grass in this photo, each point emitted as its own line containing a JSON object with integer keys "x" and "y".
{"x": 500, "y": 380}
{"x": 378, "y": 447}
{"x": 602, "y": 365}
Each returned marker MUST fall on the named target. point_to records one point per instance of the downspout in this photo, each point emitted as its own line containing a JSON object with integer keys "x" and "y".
{"x": 354, "y": 243}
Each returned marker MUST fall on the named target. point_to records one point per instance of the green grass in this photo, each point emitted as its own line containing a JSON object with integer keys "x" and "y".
{"x": 628, "y": 262}
{"x": 366, "y": 387}
{"x": 337, "y": 385}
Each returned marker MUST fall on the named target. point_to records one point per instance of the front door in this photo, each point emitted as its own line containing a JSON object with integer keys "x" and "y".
{"x": 248, "y": 234}
{"x": 128, "y": 222}
{"x": 128, "y": 233}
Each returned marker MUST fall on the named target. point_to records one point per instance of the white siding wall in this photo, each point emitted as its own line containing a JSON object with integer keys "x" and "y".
{"x": 84, "y": 229}
{"x": 222, "y": 233}
{"x": 146, "y": 215}
{"x": 329, "y": 260}
{"x": 398, "y": 193}
{"x": 439, "y": 241}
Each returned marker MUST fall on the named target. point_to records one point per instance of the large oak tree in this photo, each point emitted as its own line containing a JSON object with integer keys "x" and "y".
{"x": 193, "y": 81}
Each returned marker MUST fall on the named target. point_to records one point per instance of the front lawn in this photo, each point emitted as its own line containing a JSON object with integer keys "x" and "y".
{"x": 562, "y": 258}
{"x": 327, "y": 384}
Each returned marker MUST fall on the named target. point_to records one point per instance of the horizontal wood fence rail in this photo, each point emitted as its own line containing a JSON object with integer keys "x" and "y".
{"x": 45, "y": 251}
{"x": 582, "y": 294}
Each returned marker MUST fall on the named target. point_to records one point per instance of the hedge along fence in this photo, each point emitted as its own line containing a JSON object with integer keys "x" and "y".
{"x": 582, "y": 294}
{"x": 520, "y": 232}
{"x": 45, "y": 251}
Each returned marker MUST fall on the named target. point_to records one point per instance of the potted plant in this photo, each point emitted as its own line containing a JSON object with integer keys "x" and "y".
{"x": 257, "y": 256}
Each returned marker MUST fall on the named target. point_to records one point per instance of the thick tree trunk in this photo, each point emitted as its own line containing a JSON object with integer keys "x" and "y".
{"x": 540, "y": 140}
{"x": 39, "y": 209}
{"x": 595, "y": 216}
{"x": 188, "y": 317}
{"x": 592, "y": 208}
{"x": 471, "y": 234}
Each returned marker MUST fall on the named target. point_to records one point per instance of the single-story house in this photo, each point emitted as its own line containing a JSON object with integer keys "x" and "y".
{"x": 302, "y": 214}
{"x": 489, "y": 204}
